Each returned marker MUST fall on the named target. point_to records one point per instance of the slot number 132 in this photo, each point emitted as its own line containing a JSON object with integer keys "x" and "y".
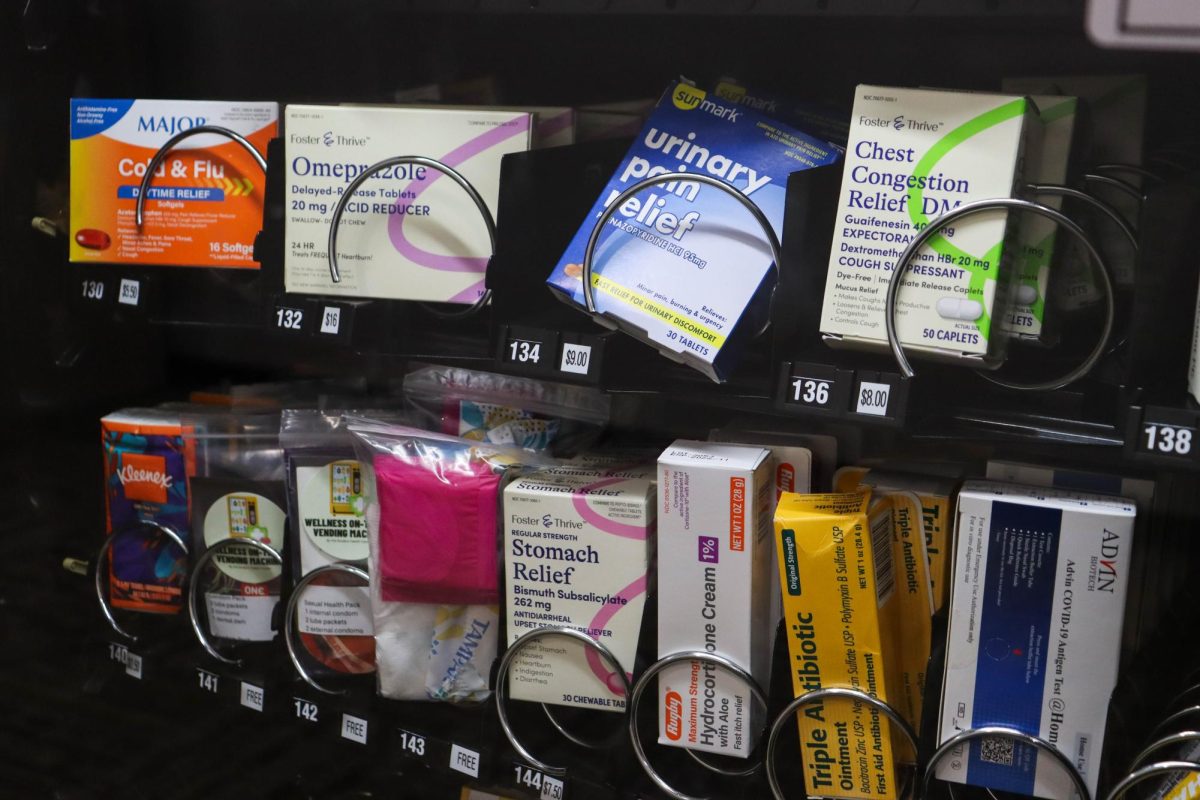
{"x": 1168, "y": 440}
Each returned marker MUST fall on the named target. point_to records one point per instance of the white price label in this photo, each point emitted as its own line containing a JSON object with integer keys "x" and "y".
{"x": 873, "y": 398}
{"x": 252, "y": 696}
{"x": 131, "y": 292}
{"x": 331, "y": 320}
{"x": 464, "y": 760}
{"x": 576, "y": 358}
{"x": 552, "y": 788}
{"x": 133, "y": 665}
{"x": 354, "y": 728}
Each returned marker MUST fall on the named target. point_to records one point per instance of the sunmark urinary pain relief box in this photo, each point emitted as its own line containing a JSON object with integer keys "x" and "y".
{"x": 1047, "y": 164}
{"x": 409, "y": 232}
{"x": 937, "y": 504}
{"x": 577, "y": 549}
{"x": 683, "y": 265}
{"x": 714, "y": 562}
{"x": 913, "y": 155}
{"x": 839, "y": 608}
{"x": 205, "y": 203}
{"x": 1040, "y": 578}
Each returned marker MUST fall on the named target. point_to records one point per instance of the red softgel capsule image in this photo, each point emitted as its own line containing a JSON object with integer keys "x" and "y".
{"x": 92, "y": 239}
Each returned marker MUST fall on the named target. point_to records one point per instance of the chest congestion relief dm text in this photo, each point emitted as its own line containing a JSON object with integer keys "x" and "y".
{"x": 409, "y": 232}
{"x": 683, "y": 265}
{"x": 913, "y": 155}
{"x": 839, "y": 608}
{"x": 714, "y": 561}
{"x": 577, "y": 553}
{"x": 205, "y": 203}
{"x": 1040, "y": 578}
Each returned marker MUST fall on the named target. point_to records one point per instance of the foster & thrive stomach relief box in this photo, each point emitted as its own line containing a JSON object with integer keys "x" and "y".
{"x": 914, "y": 155}
{"x": 714, "y": 565}
{"x": 1040, "y": 578}
{"x": 205, "y": 203}
{"x": 409, "y": 232}
{"x": 682, "y": 265}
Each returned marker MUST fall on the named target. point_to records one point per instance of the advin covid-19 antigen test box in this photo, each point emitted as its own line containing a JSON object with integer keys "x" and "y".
{"x": 714, "y": 564}
{"x": 577, "y": 549}
{"x": 409, "y": 232}
{"x": 1040, "y": 579}
{"x": 914, "y": 155}
{"x": 204, "y": 205}
{"x": 683, "y": 265}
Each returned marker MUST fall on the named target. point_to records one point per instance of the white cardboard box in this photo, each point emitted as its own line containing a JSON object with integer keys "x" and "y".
{"x": 1034, "y": 641}
{"x": 408, "y": 233}
{"x": 715, "y": 517}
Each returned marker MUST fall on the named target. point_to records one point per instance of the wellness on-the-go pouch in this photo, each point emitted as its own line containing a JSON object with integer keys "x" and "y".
{"x": 682, "y": 265}
{"x": 205, "y": 203}
{"x": 326, "y": 499}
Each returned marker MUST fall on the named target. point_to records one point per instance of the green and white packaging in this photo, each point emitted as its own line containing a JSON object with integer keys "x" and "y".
{"x": 913, "y": 155}
{"x": 1045, "y": 164}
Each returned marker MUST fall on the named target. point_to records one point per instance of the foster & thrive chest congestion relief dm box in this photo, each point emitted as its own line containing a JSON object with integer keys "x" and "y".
{"x": 682, "y": 264}
{"x": 714, "y": 578}
{"x": 1040, "y": 578}
{"x": 205, "y": 203}
{"x": 409, "y": 232}
{"x": 913, "y": 155}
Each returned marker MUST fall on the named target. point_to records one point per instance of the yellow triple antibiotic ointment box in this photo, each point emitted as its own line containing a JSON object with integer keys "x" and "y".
{"x": 937, "y": 505}
{"x": 914, "y": 155}
{"x": 839, "y": 604}
{"x": 204, "y": 205}
{"x": 914, "y": 603}
{"x": 408, "y": 232}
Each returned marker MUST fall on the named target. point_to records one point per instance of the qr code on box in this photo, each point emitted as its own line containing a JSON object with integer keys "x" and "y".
{"x": 995, "y": 750}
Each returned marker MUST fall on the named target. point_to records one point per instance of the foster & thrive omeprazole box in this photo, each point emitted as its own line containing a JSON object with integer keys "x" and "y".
{"x": 409, "y": 232}
{"x": 913, "y": 155}
{"x": 714, "y": 564}
{"x": 205, "y": 203}
{"x": 839, "y": 610}
{"x": 683, "y": 265}
{"x": 1040, "y": 578}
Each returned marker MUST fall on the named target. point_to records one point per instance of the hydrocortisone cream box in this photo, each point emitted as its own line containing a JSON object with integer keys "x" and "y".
{"x": 205, "y": 203}
{"x": 1040, "y": 578}
{"x": 1047, "y": 164}
{"x": 577, "y": 549}
{"x": 937, "y": 503}
{"x": 714, "y": 562}
{"x": 409, "y": 232}
{"x": 913, "y": 155}
{"x": 682, "y": 263}
{"x": 839, "y": 604}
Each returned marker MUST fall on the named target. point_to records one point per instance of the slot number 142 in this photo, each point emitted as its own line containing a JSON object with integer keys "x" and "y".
{"x": 1168, "y": 440}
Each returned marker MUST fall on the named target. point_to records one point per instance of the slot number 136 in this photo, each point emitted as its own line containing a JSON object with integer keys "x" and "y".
{"x": 1168, "y": 440}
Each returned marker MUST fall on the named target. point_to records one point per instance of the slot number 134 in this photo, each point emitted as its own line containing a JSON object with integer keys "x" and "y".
{"x": 1168, "y": 440}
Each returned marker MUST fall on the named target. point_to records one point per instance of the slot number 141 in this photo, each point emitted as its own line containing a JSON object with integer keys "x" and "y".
{"x": 1168, "y": 440}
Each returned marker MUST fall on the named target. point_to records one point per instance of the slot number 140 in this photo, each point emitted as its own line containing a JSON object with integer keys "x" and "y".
{"x": 1168, "y": 440}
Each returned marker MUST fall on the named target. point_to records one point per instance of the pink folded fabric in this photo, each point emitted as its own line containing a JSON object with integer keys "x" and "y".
{"x": 437, "y": 533}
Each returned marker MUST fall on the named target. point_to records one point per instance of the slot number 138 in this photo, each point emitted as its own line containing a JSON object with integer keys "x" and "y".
{"x": 1168, "y": 440}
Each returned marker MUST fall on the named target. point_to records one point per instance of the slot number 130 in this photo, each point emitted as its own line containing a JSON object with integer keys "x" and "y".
{"x": 1168, "y": 440}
